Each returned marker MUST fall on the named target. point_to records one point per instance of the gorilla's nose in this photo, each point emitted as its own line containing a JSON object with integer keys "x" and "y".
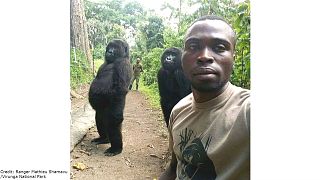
{"x": 169, "y": 58}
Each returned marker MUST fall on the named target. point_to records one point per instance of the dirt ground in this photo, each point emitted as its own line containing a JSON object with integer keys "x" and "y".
{"x": 145, "y": 145}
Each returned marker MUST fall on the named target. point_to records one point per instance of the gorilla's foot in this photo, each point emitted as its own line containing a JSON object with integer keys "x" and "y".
{"x": 113, "y": 151}
{"x": 100, "y": 140}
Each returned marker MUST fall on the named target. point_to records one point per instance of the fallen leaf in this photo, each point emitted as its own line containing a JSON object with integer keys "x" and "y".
{"x": 84, "y": 152}
{"x": 79, "y": 166}
{"x": 153, "y": 155}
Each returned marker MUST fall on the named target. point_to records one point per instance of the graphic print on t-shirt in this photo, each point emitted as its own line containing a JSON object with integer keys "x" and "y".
{"x": 195, "y": 162}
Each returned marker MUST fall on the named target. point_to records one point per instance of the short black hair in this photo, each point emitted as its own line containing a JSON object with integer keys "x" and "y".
{"x": 214, "y": 17}
{"x": 210, "y": 17}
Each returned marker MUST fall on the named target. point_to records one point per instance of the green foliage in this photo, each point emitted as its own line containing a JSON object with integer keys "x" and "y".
{"x": 241, "y": 24}
{"x": 134, "y": 12}
{"x": 152, "y": 94}
{"x": 97, "y": 64}
{"x": 98, "y": 51}
{"x": 79, "y": 69}
{"x": 117, "y": 31}
{"x": 151, "y": 64}
{"x": 154, "y": 32}
{"x": 109, "y": 19}
{"x": 172, "y": 38}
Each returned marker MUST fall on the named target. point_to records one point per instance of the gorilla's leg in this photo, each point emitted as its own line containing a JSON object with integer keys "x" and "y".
{"x": 102, "y": 128}
{"x": 114, "y": 125}
{"x": 115, "y": 140}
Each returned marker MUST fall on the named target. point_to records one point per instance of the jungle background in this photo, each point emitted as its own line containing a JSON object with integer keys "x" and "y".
{"x": 95, "y": 23}
{"x": 149, "y": 32}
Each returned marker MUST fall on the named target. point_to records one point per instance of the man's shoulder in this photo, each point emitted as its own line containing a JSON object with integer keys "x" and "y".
{"x": 183, "y": 103}
{"x": 242, "y": 92}
{"x": 241, "y": 97}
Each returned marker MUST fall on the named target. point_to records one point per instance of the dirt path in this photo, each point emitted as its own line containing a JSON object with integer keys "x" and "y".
{"x": 145, "y": 150}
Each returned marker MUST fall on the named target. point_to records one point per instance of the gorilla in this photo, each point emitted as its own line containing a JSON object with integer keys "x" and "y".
{"x": 173, "y": 85}
{"x": 107, "y": 95}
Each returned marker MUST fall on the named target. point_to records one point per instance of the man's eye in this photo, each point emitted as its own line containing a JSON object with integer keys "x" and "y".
{"x": 193, "y": 46}
{"x": 219, "y": 48}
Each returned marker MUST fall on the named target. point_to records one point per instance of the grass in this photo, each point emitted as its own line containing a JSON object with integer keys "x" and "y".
{"x": 97, "y": 64}
{"x": 152, "y": 94}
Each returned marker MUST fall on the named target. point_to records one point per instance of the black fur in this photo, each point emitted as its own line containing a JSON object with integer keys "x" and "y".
{"x": 173, "y": 85}
{"x": 107, "y": 95}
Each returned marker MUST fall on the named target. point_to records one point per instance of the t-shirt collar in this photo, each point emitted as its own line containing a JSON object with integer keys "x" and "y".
{"x": 215, "y": 102}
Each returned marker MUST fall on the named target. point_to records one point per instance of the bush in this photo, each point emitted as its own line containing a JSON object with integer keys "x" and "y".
{"x": 151, "y": 66}
{"x": 152, "y": 94}
{"x": 80, "y": 71}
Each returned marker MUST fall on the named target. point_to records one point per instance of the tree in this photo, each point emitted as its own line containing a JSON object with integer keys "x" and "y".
{"x": 154, "y": 32}
{"x": 78, "y": 28}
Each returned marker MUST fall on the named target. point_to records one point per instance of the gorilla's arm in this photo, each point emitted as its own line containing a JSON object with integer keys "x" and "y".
{"x": 183, "y": 83}
{"x": 165, "y": 100}
{"x": 123, "y": 74}
{"x": 162, "y": 77}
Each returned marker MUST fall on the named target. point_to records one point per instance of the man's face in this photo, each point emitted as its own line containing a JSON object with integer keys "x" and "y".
{"x": 207, "y": 59}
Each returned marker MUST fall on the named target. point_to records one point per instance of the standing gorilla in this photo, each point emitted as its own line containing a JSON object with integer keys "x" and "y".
{"x": 107, "y": 95}
{"x": 173, "y": 85}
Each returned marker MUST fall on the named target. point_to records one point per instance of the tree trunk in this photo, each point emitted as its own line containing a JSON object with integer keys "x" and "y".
{"x": 78, "y": 29}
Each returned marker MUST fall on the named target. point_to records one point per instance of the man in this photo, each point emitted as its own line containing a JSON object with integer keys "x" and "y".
{"x": 137, "y": 69}
{"x": 209, "y": 129}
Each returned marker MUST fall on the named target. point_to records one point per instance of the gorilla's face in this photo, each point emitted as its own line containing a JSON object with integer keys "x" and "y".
{"x": 171, "y": 59}
{"x": 116, "y": 49}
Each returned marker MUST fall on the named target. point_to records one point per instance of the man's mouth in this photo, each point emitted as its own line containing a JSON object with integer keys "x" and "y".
{"x": 204, "y": 71}
{"x": 205, "y": 74}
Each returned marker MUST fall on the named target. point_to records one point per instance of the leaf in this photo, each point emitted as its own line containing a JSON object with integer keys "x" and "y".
{"x": 79, "y": 166}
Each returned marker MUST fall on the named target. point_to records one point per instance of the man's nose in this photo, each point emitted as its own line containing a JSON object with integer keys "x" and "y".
{"x": 206, "y": 56}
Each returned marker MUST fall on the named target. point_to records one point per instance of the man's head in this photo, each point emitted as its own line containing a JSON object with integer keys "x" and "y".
{"x": 207, "y": 58}
{"x": 138, "y": 60}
